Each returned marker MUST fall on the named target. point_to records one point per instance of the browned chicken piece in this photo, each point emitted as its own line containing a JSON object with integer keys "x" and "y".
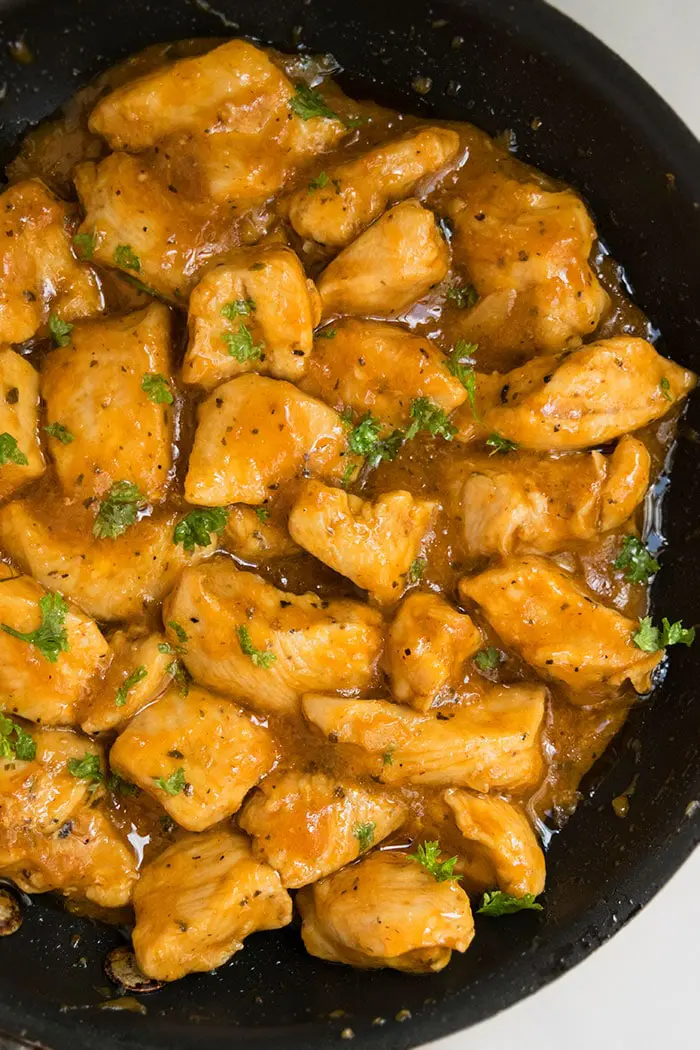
{"x": 197, "y": 754}
{"x": 526, "y": 251}
{"x": 307, "y": 825}
{"x": 254, "y": 313}
{"x": 426, "y": 647}
{"x": 94, "y": 387}
{"x": 40, "y": 273}
{"x": 370, "y": 366}
{"x": 545, "y": 614}
{"x": 110, "y": 578}
{"x": 32, "y": 686}
{"x": 251, "y": 640}
{"x": 197, "y": 902}
{"x": 387, "y": 910}
{"x": 254, "y": 434}
{"x": 587, "y": 397}
{"x": 252, "y": 536}
{"x": 142, "y": 667}
{"x": 373, "y": 544}
{"x": 520, "y": 502}
{"x": 21, "y": 458}
{"x": 391, "y": 265}
{"x": 492, "y": 744}
{"x": 497, "y": 834}
{"x": 355, "y": 193}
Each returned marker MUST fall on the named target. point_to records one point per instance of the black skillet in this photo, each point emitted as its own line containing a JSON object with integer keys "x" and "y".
{"x": 519, "y": 65}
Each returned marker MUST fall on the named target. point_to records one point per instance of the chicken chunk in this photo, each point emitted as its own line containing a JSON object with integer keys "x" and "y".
{"x": 249, "y": 639}
{"x": 197, "y": 754}
{"x": 391, "y": 265}
{"x": 373, "y": 544}
{"x": 543, "y": 613}
{"x": 370, "y": 366}
{"x": 252, "y": 536}
{"x": 526, "y": 251}
{"x": 307, "y": 825}
{"x": 94, "y": 388}
{"x": 525, "y": 503}
{"x": 386, "y": 911}
{"x": 254, "y": 434}
{"x": 489, "y": 745}
{"x": 21, "y": 458}
{"x": 40, "y": 274}
{"x": 254, "y": 313}
{"x": 426, "y": 647}
{"x": 197, "y": 902}
{"x": 141, "y": 669}
{"x": 356, "y": 193}
{"x": 33, "y": 684}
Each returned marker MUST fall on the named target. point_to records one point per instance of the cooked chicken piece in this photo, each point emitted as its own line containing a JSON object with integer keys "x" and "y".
{"x": 387, "y": 910}
{"x": 526, "y": 251}
{"x": 391, "y": 265}
{"x": 498, "y": 834}
{"x": 250, "y": 535}
{"x": 469, "y": 418}
{"x": 515, "y": 503}
{"x": 588, "y": 397}
{"x": 40, "y": 274}
{"x": 373, "y": 544}
{"x": 306, "y": 825}
{"x": 94, "y": 388}
{"x": 370, "y": 366}
{"x": 197, "y": 754}
{"x": 357, "y": 192}
{"x": 110, "y": 579}
{"x": 141, "y": 669}
{"x": 427, "y": 645}
{"x": 489, "y": 745}
{"x": 32, "y": 684}
{"x": 254, "y": 313}
{"x": 546, "y": 615}
{"x": 256, "y": 433}
{"x": 197, "y": 902}
{"x": 249, "y": 639}
{"x": 21, "y": 458}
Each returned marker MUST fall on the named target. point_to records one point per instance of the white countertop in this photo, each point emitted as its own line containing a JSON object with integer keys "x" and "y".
{"x": 637, "y": 992}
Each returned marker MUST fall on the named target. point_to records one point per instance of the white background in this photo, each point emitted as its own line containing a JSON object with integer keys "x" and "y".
{"x": 640, "y": 990}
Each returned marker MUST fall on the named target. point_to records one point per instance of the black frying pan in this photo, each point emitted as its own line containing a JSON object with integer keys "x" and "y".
{"x": 606, "y": 132}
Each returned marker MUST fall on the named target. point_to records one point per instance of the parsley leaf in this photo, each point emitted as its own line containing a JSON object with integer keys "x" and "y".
{"x": 180, "y": 632}
{"x": 180, "y": 676}
{"x": 347, "y": 474}
{"x": 157, "y": 388}
{"x": 636, "y": 560}
{"x": 238, "y": 308}
{"x": 500, "y": 444}
{"x": 416, "y": 570}
{"x": 117, "y": 511}
{"x": 124, "y": 255}
{"x": 10, "y": 453}
{"x": 262, "y": 513}
{"x": 260, "y": 657}
{"x": 196, "y": 527}
{"x": 388, "y": 756}
{"x": 89, "y": 767}
{"x": 129, "y": 682}
{"x": 22, "y": 747}
{"x": 464, "y": 296}
{"x": 364, "y": 833}
{"x": 487, "y": 659}
{"x": 651, "y": 639}
{"x": 51, "y": 637}
{"x": 460, "y": 364}
{"x": 60, "y": 330}
{"x": 428, "y": 855}
{"x": 325, "y": 333}
{"x": 319, "y": 182}
{"x": 58, "y": 431}
{"x": 307, "y": 103}
{"x": 428, "y": 416}
{"x": 498, "y": 903}
{"x": 84, "y": 245}
{"x": 665, "y": 388}
{"x": 173, "y": 784}
{"x": 241, "y": 346}
{"x": 364, "y": 440}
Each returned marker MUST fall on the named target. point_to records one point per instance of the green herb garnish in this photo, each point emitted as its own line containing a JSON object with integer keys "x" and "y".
{"x": 665, "y": 388}
{"x": 241, "y": 346}
{"x": 636, "y": 560}
{"x": 428, "y": 855}
{"x": 124, "y": 255}
{"x": 325, "y": 333}
{"x": 364, "y": 833}
{"x": 464, "y": 296}
{"x": 460, "y": 364}
{"x": 262, "y": 513}
{"x": 129, "y": 682}
{"x": 308, "y": 103}
{"x": 180, "y": 632}
{"x": 416, "y": 570}
{"x": 60, "y": 330}
{"x": 157, "y": 388}
{"x": 51, "y": 637}
{"x": 117, "y": 511}
{"x": 319, "y": 182}
{"x": 58, "y": 431}
{"x": 89, "y": 767}
{"x": 196, "y": 527}
{"x": 651, "y": 639}
{"x": 498, "y": 903}
{"x": 84, "y": 245}
{"x": 238, "y": 308}
{"x": 173, "y": 784}
{"x": 15, "y": 742}
{"x": 428, "y": 416}
{"x": 10, "y": 453}
{"x": 487, "y": 659}
{"x": 180, "y": 676}
{"x": 500, "y": 444}
{"x": 260, "y": 657}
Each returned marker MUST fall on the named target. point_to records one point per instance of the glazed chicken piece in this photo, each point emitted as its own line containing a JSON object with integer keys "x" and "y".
{"x": 94, "y": 388}
{"x": 253, "y": 435}
{"x": 490, "y": 745}
{"x": 142, "y": 667}
{"x": 526, "y": 251}
{"x": 197, "y": 754}
{"x": 356, "y": 193}
{"x": 542, "y": 612}
{"x": 307, "y": 825}
{"x": 370, "y": 366}
{"x": 391, "y": 265}
{"x": 197, "y": 902}
{"x": 40, "y": 274}
{"x": 373, "y": 544}
{"x": 21, "y": 458}
{"x": 254, "y": 313}
{"x": 426, "y": 647}
{"x": 516, "y": 503}
{"x": 34, "y": 685}
{"x": 387, "y": 910}
{"x": 252, "y": 536}
{"x": 251, "y": 640}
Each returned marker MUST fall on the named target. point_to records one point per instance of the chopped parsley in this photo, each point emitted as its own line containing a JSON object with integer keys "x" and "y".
{"x": 388, "y": 756}
{"x": 117, "y": 511}
{"x": 464, "y": 296}
{"x": 89, "y": 767}
{"x": 129, "y": 682}
{"x": 416, "y": 570}
{"x": 460, "y": 364}
{"x": 60, "y": 330}
{"x": 124, "y": 255}
{"x": 262, "y": 513}
{"x": 325, "y": 333}
{"x": 180, "y": 676}
{"x": 51, "y": 637}
{"x": 308, "y": 103}
{"x": 428, "y": 416}
{"x": 10, "y": 453}
{"x": 241, "y": 346}
{"x": 497, "y": 903}
{"x": 58, "y": 431}
{"x": 157, "y": 388}
{"x": 487, "y": 659}
{"x": 428, "y": 855}
{"x": 364, "y": 833}
{"x": 238, "y": 308}
{"x": 500, "y": 444}
{"x": 347, "y": 474}
{"x": 165, "y": 648}
{"x": 173, "y": 784}
{"x": 364, "y": 440}
{"x": 196, "y": 527}
{"x": 260, "y": 657}
{"x": 319, "y": 182}
{"x": 15, "y": 742}
{"x": 665, "y": 388}
{"x": 84, "y": 245}
{"x": 651, "y": 639}
{"x": 636, "y": 560}
{"x": 180, "y": 632}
